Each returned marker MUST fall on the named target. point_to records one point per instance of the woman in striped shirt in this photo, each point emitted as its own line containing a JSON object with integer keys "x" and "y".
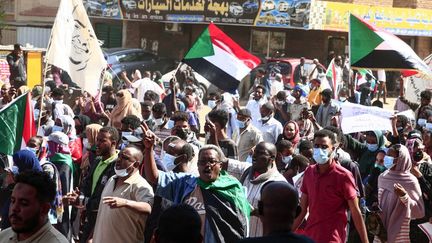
{"x": 399, "y": 195}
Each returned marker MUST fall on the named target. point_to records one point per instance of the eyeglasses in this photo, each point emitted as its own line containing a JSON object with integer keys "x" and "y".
{"x": 205, "y": 162}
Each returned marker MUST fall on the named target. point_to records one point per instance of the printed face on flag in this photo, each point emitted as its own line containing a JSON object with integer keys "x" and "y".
{"x": 82, "y": 40}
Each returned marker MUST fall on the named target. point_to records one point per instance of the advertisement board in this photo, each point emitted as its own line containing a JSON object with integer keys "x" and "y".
{"x": 284, "y": 13}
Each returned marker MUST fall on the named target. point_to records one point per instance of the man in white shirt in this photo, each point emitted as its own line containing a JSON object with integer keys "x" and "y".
{"x": 382, "y": 88}
{"x": 255, "y": 104}
{"x": 269, "y": 126}
{"x": 142, "y": 85}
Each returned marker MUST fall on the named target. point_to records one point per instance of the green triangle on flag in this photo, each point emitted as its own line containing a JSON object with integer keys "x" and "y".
{"x": 363, "y": 40}
{"x": 203, "y": 47}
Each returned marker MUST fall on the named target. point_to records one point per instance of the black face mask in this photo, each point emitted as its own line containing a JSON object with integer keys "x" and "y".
{"x": 418, "y": 156}
{"x": 182, "y": 133}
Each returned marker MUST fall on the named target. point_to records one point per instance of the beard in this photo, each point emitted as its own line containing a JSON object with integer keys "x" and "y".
{"x": 28, "y": 226}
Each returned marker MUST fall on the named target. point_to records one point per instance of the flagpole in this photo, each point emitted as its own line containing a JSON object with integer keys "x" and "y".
{"x": 42, "y": 96}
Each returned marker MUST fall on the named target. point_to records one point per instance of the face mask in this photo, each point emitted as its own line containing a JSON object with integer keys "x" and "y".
{"x": 241, "y": 124}
{"x": 56, "y": 128}
{"x": 170, "y": 124}
{"x": 372, "y": 147}
{"x": 421, "y": 122}
{"x": 429, "y": 126}
{"x": 182, "y": 133}
{"x": 34, "y": 150}
{"x": 249, "y": 159}
{"x": 211, "y": 104}
{"x": 287, "y": 160}
{"x": 388, "y": 161}
{"x": 162, "y": 155}
{"x": 320, "y": 156}
{"x": 266, "y": 118}
{"x": 36, "y": 114}
{"x": 342, "y": 99}
{"x": 380, "y": 166}
{"x": 126, "y": 134}
{"x": 159, "y": 121}
{"x": 168, "y": 161}
{"x": 122, "y": 172}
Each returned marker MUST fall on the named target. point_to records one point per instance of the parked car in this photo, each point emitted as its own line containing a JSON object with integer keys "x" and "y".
{"x": 235, "y": 9}
{"x": 250, "y": 6}
{"x": 300, "y": 14}
{"x": 283, "y": 6}
{"x": 93, "y": 7}
{"x": 129, "y": 4}
{"x": 268, "y": 5}
{"x": 281, "y": 18}
{"x": 266, "y": 19}
{"x": 129, "y": 60}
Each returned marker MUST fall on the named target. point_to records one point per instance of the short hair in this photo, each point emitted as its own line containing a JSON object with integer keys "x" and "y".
{"x": 41, "y": 181}
{"x": 137, "y": 152}
{"x": 305, "y": 145}
{"x": 215, "y": 94}
{"x": 17, "y": 46}
{"x": 378, "y": 103}
{"x": 300, "y": 161}
{"x": 170, "y": 139}
{"x": 57, "y": 92}
{"x": 327, "y": 93}
{"x": 244, "y": 112}
{"x": 132, "y": 121}
{"x": 261, "y": 87}
{"x": 151, "y": 95}
{"x": 215, "y": 148}
{"x": 159, "y": 107}
{"x": 179, "y": 224}
{"x": 283, "y": 144}
{"x": 269, "y": 106}
{"x": 108, "y": 89}
{"x": 326, "y": 133}
{"x": 281, "y": 95}
{"x": 338, "y": 132}
{"x": 147, "y": 103}
{"x": 114, "y": 135}
{"x": 426, "y": 94}
{"x": 188, "y": 150}
{"x": 220, "y": 116}
{"x": 180, "y": 116}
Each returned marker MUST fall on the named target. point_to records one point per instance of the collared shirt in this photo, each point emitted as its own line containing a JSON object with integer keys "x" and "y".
{"x": 46, "y": 234}
{"x": 102, "y": 165}
{"x": 254, "y": 107}
{"x": 246, "y": 140}
{"x": 325, "y": 113}
{"x": 328, "y": 195}
{"x": 271, "y": 130}
{"x": 123, "y": 224}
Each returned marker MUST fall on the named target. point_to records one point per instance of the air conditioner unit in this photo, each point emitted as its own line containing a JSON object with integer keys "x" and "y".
{"x": 173, "y": 27}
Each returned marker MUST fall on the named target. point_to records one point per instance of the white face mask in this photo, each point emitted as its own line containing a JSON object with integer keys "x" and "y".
{"x": 211, "y": 103}
{"x": 287, "y": 160}
{"x": 159, "y": 121}
{"x": 170, "y": 124}
{"x": 36, "y": 114}
{"x": 56, "y": 128}
{"x": 86, "y": 143}
{"x": 421, "y": 122}
{"x": 122, "y": 172}
{"x": 168, "y": 161}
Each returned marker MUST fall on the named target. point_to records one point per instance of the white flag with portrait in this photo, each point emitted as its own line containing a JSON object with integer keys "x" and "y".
{"x": 74, "y": 47}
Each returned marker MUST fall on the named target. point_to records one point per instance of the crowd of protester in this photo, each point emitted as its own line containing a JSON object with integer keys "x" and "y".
{"x": 138, "y": 164}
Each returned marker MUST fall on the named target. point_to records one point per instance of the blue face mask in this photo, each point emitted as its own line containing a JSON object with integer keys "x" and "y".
{"x": 241, "y": 124}
{"x": 372, "y": 147}
{"x": 388, "y": 161}
{"x": 321, "y": 156}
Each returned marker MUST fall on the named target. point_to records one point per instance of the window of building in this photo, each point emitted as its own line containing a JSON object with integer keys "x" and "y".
{"x": 8, "y": 6}
{"x": 267, "y": 43}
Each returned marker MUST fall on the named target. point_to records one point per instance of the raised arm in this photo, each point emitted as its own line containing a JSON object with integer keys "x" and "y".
{"x": 150, "y": 169}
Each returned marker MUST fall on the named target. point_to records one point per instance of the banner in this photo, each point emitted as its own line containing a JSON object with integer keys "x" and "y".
{"x": 106, "y": 9}
{"x": 74, "y": 47}
{"x": 414, "y": 85}
{"x": 334, "y": 16}
{"x": 284, "y": 13}
{"x": 360, "y": 118}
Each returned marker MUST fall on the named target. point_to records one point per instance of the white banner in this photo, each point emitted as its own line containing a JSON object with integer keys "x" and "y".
{"x": 74, "y": 47}
{"x": 414, "y": 85}
{"x": 360, "y": 118}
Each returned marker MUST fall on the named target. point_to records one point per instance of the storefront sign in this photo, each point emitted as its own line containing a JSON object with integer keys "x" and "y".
{"x": 400, "y": 21}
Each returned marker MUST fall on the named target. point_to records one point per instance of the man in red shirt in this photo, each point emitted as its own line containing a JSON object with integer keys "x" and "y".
{"x": 328, "y": 190}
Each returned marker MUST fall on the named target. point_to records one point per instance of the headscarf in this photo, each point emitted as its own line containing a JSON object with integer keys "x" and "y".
{"x": 92, "y": 130}
{"x": 58, "y": 143}
{"x": 123, "y": 108}
{"x": 394, "y": 211}
{"x": 68, "y": 125}
{"x": 84, "y": 120}
{"x": 26, "y": 160}
{"x": 296, "y": 139}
